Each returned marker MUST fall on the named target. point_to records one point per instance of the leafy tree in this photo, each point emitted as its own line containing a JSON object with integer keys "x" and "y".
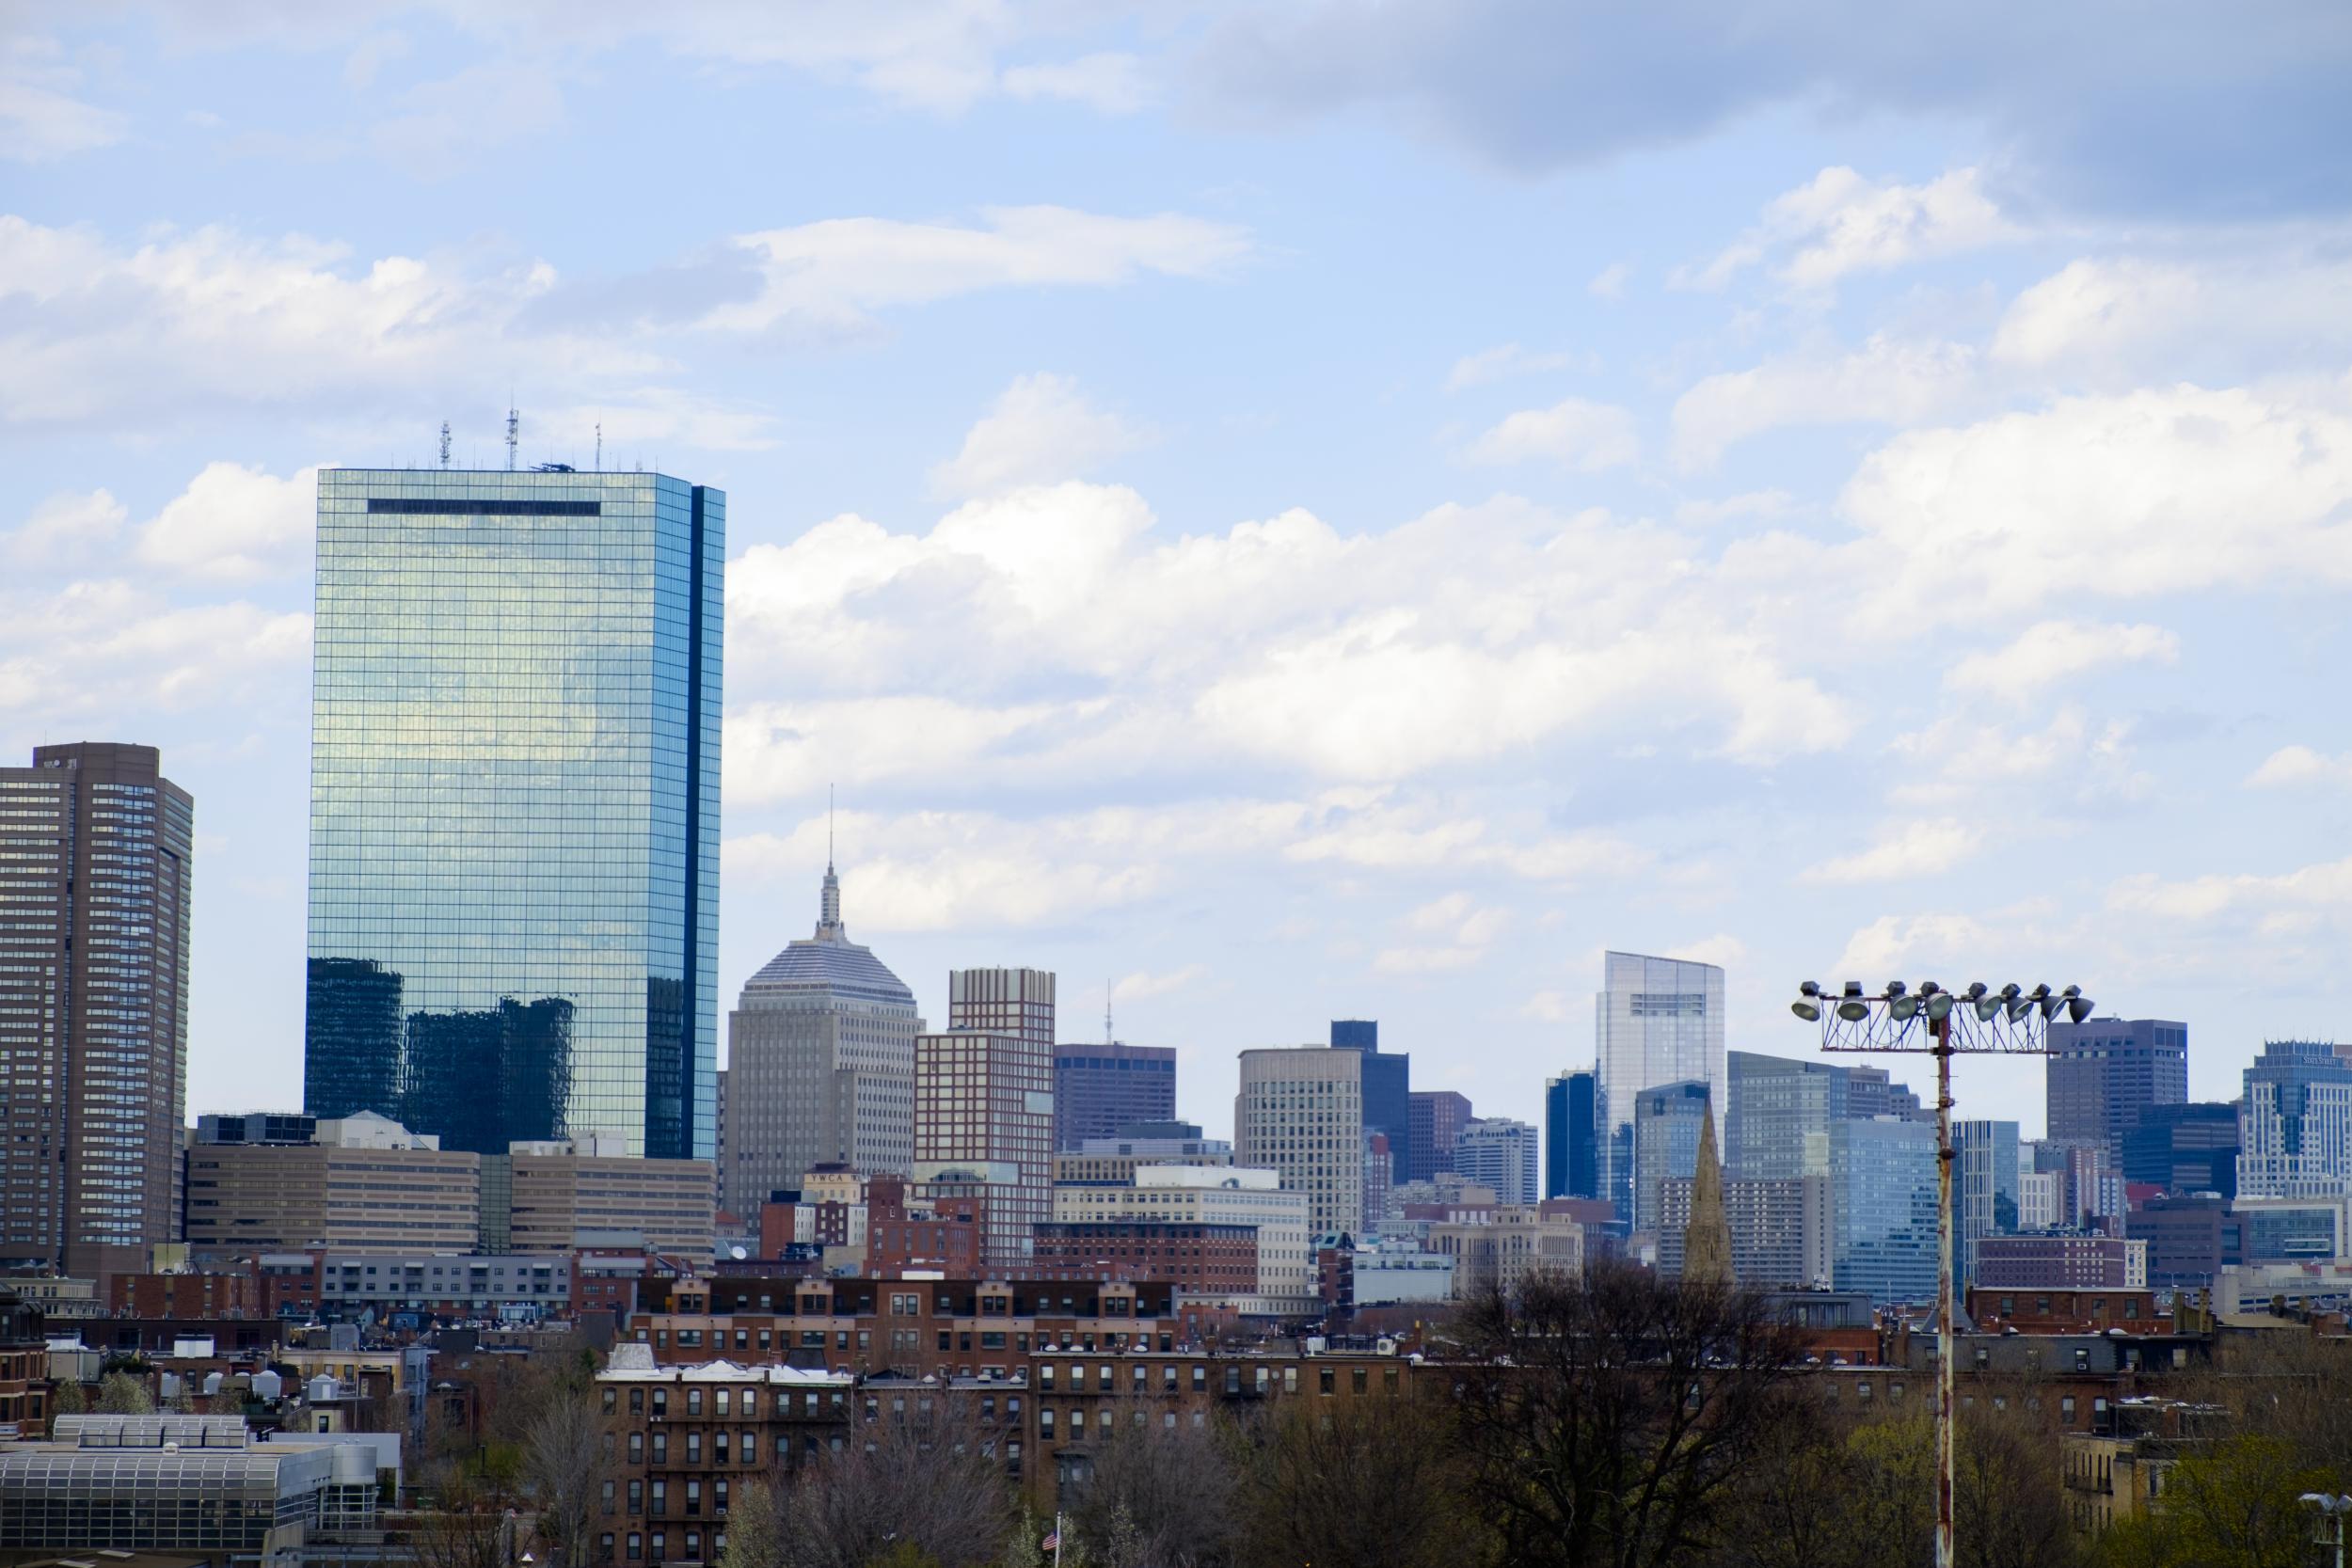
{"x": 68, "y": 1400}
{"x": 754, "y": 1533}
{"x": 2237, "y": 1504}
{"x": 120, "y": 1394}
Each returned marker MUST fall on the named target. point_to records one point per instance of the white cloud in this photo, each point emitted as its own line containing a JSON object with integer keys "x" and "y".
{"x": 234, "y": 522}
{"x": 1576, "y": 433}
{"x": 95, "y": 651}
{"x": 1893, "y": 944}
{"x": 1960, "y": 760}
{"x": 442, "y": 127}
{"x": 2114, "y": 318}
{"x": 1425, "y": 961}
{"x": 1723, "y": 950}
{"x": 1902, "y": 849}
{"x": 1761, "y": 505}
{"x": 1840, "y": 222}
{"x": 833, "y": 273}
{"x": 1110, "y": 83}
{"x": 2053, "y": 651}
{"x": 41, "y": 117}
{"x": 1461, "y": 919}
{"x": 2178, "y": 489}
{"x": 2292, "y": 766}
{"x": 1507, "y": 359}
{"x": 1609, "y": 283}
{"x": 1546, "y": 1006}
{"x": 1142, "y": 984}
{"x": 1453, "y": 638}
{"x": 1887, "y": 381}
{"x": 778, "y": 751}
{"x": 206, "y": 321}
{"x": 66, "y": 529}
{"x": 370, "y": 55}
{"x": 1038, "y": 430}
{"x": 2326, "y": 887}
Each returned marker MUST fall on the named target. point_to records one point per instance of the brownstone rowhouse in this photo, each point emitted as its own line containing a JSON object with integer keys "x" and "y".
{"x": 95, "y": 852}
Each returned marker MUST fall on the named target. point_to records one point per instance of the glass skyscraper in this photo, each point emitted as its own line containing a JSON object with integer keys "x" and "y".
{"x": 1657, "y": 1021}
{"x": 515, "y": 805}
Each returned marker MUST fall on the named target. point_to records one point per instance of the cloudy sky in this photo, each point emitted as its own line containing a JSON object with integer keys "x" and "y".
{"x": 1350, "y": 509}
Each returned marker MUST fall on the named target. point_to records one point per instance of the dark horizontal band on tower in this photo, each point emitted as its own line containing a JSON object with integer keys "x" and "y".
{"x": 482, "y": 506}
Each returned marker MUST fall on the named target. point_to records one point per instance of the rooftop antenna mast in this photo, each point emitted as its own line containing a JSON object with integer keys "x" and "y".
{"x": 444, "y": 443}
{"x": 599, "y": 446}
{"x": 1108, "y": 1037}
{"x": 513, "y": 433}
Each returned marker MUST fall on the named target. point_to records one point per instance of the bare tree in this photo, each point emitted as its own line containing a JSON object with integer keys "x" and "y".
{"x": 563, "y": 1463}
{"x": 927, "y": 1480}
{"x": 1607, "y": 1418}
{"x": 472, "y": 1528}
{"x": 1160, "y": 1497}
{"x": 1356, "y": 1483}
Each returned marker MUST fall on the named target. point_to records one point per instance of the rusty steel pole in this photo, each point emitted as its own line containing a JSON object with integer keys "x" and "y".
{"x": 1940, "y": 1030}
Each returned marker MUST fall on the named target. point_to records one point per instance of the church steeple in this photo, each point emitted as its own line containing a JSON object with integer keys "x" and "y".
{"x": 1707, "y": 1241}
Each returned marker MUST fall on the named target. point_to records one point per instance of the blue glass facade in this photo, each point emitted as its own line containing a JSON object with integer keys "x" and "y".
{"x": 1571, "y": 1128}
{"x": 1882, "y": 1191}
{"x": 515, "y": 805}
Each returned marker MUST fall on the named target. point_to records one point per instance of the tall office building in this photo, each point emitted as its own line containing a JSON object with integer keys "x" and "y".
{"x": 1667, "y": 1124}
{"x": 1498, "y": 1152}
{"x": 1794, "y": 1121}
{"x": 1388, "y": 1090}
{"x": 1984, "y": 1186}
{"x": 1569, "y": 1170}
{"x": 2103, "y": 1072}
{"x": 95, "y": 847}
{"x": 1657, "y": 1021}
{"x": 821, "y": 1066}
{"x": 1435, "y": 1120}
{"x": 2294, "y": 1122}
{"x": 1301, "y": 1112}
{"x": 515, "y": 805}
{"x": 2189, "y": 1147}
{"x": 984, "y": 1106}
{"x": 1099, "y": 1089}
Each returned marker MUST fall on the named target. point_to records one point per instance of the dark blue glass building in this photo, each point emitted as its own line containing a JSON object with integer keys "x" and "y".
{"x": 515, "y": 805}
{"x": 1388, "y": 1089}
{"x": 1571, "y": 1127}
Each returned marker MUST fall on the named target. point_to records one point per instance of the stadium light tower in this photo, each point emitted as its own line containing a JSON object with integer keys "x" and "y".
{"x": 2011, "y": 1022}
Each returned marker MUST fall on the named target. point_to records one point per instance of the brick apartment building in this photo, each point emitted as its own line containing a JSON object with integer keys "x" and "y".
{"x": 1198, "y": 1258}
{"x": 942, "y": 1327}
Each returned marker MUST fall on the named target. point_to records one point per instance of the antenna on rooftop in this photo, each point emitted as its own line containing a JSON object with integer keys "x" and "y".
{"x": 444, "y": 443}
{"x": 599, "y": 446}
{"x": 513, "y": 433}
{"x": 1108, "y": 1037}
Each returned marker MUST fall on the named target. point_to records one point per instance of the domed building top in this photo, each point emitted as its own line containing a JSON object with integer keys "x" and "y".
{"x": 828, "y": 961}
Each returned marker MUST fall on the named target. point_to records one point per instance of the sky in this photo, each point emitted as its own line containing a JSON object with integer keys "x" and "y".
{"x": 1274, "y": 513}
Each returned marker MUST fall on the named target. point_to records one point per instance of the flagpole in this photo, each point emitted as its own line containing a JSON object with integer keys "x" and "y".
{"x": 1057, "y": 1538}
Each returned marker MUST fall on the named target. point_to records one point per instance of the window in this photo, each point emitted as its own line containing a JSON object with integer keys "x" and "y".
{"x": 2066, "y": 1408}
{"x": 693, "y": 1448}
{"x": 751, "y": 1402}
{"x": 610, "y": 1500}
{"x": 636, "y": 1402}
{"x": 636, "y": 1448}
{"x": 1045, "y": 1425}
{"x": 611, "y": 1397}
{"x": 1326, "y": 1380}
{"x": 719, "y": 1407}
{"x": 661, "y": 1448}
{"x": 1359, "y": 1380}
{"x": 636, "y": 1501}
{"x": 657, "y": 1500}
{"x": 693, "y": 1402}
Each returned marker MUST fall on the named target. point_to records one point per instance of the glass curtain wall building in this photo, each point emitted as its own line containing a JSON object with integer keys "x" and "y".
{"x": 1658, "y": 1021}
{"x": 1569, "y": 1130}
{"x": 515, "y": 805}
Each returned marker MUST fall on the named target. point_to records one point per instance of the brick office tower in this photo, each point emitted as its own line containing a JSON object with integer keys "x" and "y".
{"x": 95, "y": 850}
{"x": 984, "y": 1107}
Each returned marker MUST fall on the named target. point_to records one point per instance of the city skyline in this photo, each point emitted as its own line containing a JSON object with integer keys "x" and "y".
{"x": 1093, "y": 498}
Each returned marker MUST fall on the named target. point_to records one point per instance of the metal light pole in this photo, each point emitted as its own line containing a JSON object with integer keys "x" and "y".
{"x": 2012, "y": 1021}
{"x": 2332, "y": 1509}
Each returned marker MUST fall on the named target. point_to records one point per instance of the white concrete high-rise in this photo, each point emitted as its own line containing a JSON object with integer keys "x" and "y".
{"x": 821, "y": 1066}
{"x": 1500, "y": 1153}
{"x": 1301, "y": 1112}
{"x": 1657, "y": 1021}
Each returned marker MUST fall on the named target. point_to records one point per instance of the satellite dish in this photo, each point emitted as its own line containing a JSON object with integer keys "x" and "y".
{"x": 737, "y": 1253}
